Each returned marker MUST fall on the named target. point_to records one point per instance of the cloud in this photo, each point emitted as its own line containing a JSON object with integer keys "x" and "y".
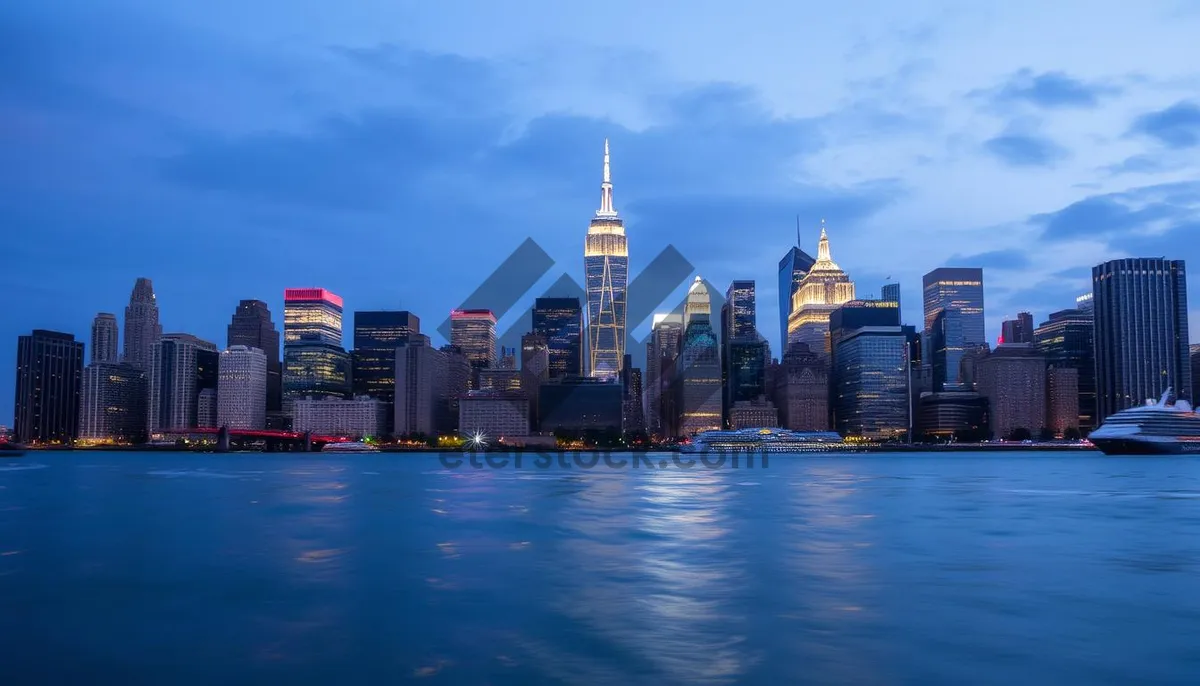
{"x": 1025, "y": 150}
{"x": 1177, "y": 126}
{"x": 1048, "y": 90}
{"x": 993, "y": 259}
{"x": 1127, "y": 216}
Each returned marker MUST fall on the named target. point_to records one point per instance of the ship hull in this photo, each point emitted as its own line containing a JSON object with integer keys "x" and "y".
{"x": 1135, "y": 446}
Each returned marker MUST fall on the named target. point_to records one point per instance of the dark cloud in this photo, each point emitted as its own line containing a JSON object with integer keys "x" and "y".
{"x": 1049, "y": 90}
{"x": 993, "y": 259}
{"x": 1139, "y": 164}
{"x": 1152, "y": 220}
{"x": 1177, "y": 126}
{"x": 1025, "y": 150}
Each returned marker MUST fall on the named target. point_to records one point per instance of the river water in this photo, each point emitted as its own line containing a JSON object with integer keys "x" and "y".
{"x": 165, "y": 568}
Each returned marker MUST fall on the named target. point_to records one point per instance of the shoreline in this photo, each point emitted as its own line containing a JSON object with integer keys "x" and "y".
{"x": 855, "y": 450}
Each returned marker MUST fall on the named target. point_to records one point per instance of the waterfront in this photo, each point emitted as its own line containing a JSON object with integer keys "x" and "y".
{"x": 878, "y": 569}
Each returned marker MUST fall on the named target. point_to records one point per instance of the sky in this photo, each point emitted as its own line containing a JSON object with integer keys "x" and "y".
{"x": 397, "y": 151}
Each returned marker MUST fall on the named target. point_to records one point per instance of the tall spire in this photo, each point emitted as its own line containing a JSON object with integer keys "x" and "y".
{"x": 797, "y": 231}
{"x": 823, "y": 246}
{"x": 606, "y": 189}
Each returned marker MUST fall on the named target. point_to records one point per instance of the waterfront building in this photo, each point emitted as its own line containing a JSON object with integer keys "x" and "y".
{"x": 206, "y": 408}
{"x": 744, "y": 352}
{"x": 606, "y": 267}
{"x": 242, "y": 388}
{"x": 1066, "y": 339}
{"x": 821, "y": 291}
{"x": 251, "y": 326}
{"x": 104, "y": 338}
{"x": 580, "y": 404}
{"x": 355, "y": 418}
{"x": 953, "y": 300}
{"x": 698, "y": 367}
{"x": 1141, "y": 332}
{"x": 535, "y": 370}
{"x": 1019, "y": 330}
{"x": 1062, "y": 400}
{"x": 421, "y": 386}
{"x": 49, "y": 371}
{"x": 871, "y": 370}
{"x": 142, "y": 329}
{"x": 377, "y": 335}
{"x": 633, "y": 417}
{"x": 560, "y": 322}
{"x": 314, "y": 362}
{"x": 113, "y": 403}
{"x": 474, "y": 333}
{"x": 457, "y": 383}
{"x": 1194, "y": 355}
{"x": 178, "y": 373}
{"x": 312, "y": 315}
{"x": 758, "y": 413}
{"x": 802, "y": 390}
{"x": 792, "y": 269}
{"x": 496, "y": 415}
{"x": 1013, "y": 379}
{"x": 666, "y": 338}
{"x": 953, "y": 415}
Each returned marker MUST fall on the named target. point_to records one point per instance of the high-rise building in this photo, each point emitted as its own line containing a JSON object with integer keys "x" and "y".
{"x": 474, "y": 333}
{"x": 315, "y": 365}
{"x": 699, "y": 367}
{"x": 891, "y": 293}
{"x": 1066, "y": 339}
{"x": 1195, "y": 358}
{"x": 1141, "y": 332}
{"x": 206, "y": 408}
{"x": 420, "y": 386}
{"x": 1019, "y": 330}
{"x": 507, "y": 358}
{"x": 496, "y": 415}
{"x": 49, "y": 367}
{"x": 744, "y": 352}
{"x": 792, "y": 269}
{"x": 457, "y": 384}
{"x": 113, "y": 403}
{"x": 953, "y": 298}
{"x": 753, "y": 414}
{"x": 802, "y": 390}
{"x": 633, "y": 416}
{"x": 1013, "y": 379}
{"x": 535, "y": 370}
{"x": 356, "y": 418}
{"x": 872, "y": 373}
{"x": 377, "y": 335}
{"x": 142, "y": 329}
{"x": 606, "y": 266}
{"x": 242, "y": 388}
{"x": 252, "y": 327}
{"x": 176, "y": 376}
{"x": 821, "y": 291}
{"x": 1062, "y": 400}
{"x": 104, "y": 338}
{"x": 666, "y": 338}
{"x": 560, "y": 321}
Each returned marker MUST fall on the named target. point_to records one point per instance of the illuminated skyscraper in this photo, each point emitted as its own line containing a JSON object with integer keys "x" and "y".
{"x": 242, "y": 388}
{"x": 252, "y": 327}
{"x": 104, "y": 338}
{"x": 821, "y": 291}
{"x": 744, "y": 353}
{"x": 377, "y": 335}
{"x": 870, "y": 369}
{"x": 49, "y": 369}
{"x": 666, "y": 337}
{"x": 953, "y": 322}
{"x": 113, "y": 403}
{"x": 314, "y": 362}
{"x": 1067, "y": 340}
{"x": 560, "y": 322}
{"x": 474, "y": 333}
{"x": 142, "y": 329}
{"x": 792, "y": 269}
{"x": 606, "y": 266}
{"x": 699, "y": 367}
{"x": 312, "y": 315}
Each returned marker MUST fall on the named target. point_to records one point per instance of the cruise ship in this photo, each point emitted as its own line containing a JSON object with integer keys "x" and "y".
{"x": 764, "y": 441}
{"x": 349, "y": 447}
{"x": 1161, "y": 428}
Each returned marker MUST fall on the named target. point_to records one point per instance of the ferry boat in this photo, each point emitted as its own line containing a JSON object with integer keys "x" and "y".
{"x": 349, "y": 447}
{"x": 765, "y": 441}
{"x": 1161, "y": 428}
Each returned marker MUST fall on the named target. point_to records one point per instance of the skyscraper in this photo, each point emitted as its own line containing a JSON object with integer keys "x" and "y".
{"x": 699, "y": 367}
{"x": 953, "y": 299}
{"x": 1067, "y": 341}
{"x": 377, "y": 335}
{"x": 104, "y": 338}
{"x": 176, "y": 374}
{"x": 1013, "y": 379}
{"x": 1141, "y": 329}
{"x": 314, "y": 362}
{"x": 744, "y": 353}
{"x": 792, "y": 269}
{"x": 821, "y": 291}
{"x": 49, "y": 367}
{"x": 112, "y": 405}
{"x": 1019, "y": 330}
{"x": 474, "y": 333}
{"x": 142, "y": 329}
{"x": 633, "y": 417}
{"x": 421, "y": 384}
{"x": 802, "y": 390}
{"x": 312, "y": 314}
{"x": 606, "y": 266}
{"x": 242, "y": 388}
{"x": 252, "y": 327}
{"x": 870, "y": 366}
{"x": 890, "y": 293}
{"x": 666, "y": 338}
{"x": 535, "y": 370}
{"x": 560, "y": 321}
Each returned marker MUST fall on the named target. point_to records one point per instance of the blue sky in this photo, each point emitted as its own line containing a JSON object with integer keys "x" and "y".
{"x": 395, "y": 152}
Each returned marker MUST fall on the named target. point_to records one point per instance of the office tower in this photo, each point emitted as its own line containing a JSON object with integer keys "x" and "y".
{"x": 206, "y": 408}
{"x": 802, "y": 390}
{"x": 1013, "y": 379}
{"x": 560, "y": 321}
{"x": 633, "y": 417}
{"x": 1141, "y": 332}
{"x": 457, "y": 385}
{"x": 104, "y": 338}
{"x": 113, "y": 403}
{"x": 575, "y": 403}
{"x": 355, "y": 418}
{"x": 252, "y": 327}
{"x": 500, "y": 380}
{"x": 49, "y": 367}
{"x": 142, "y": 329}
{"x": 535, "y": 370}
{"x": 891, "y": 293}
{"x": 753, "y": 414}
{"x": 377, "y": 335}
{"x": 971, "y": 356}
{"x": 821, "y": 291}
{"x": 474, "y": 333}
{"x": 871, "y": 370}
{"x": 175, "y": 376}
{"x": 1066, "y": 339}
{"x": 420, "y": 386}
{"x": 314, "y": 363}
{"x": 666, "y": 338}
{"x": 953, "y": 298}
{"x": 242, "y": 388}
{"x": 744, "y": 353}
{"x": 792, "y": 269}
{"x": 1062, "y": 401}
{"x": 606, "y": 266}
{"x": 1019, "y": 330}
{"x": 498, "y": 416}
{"x": 953, "y": 415}
{"x": 699, "y": 367}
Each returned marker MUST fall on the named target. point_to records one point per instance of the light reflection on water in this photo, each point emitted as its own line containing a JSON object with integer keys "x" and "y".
{"x": 309, "y": 569}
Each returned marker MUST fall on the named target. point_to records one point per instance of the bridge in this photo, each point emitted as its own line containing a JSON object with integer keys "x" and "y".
{"x": 273, "y": 441}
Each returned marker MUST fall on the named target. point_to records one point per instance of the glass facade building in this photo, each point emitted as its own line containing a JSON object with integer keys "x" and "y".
{"x": 474, "y": 333}
{"x": 377, "y": 335}
{"x": 183, "y": 366}
{"x": 1066, "y": 339}
{"x": 792, "y": 269}
{"x": 606, "y": 269}
{"x": 744, "y": 352}
{"x": 1141, "y": 332}
{"x": 953, "y": 299}
{"x": 113, "y": 403}
{"x": 49, "y": 370}
{"x": 560, "y": 322}
{"x": 312, "y": 315}
{"x": 314, "y": 362}
{"x": 871, "y": 370}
